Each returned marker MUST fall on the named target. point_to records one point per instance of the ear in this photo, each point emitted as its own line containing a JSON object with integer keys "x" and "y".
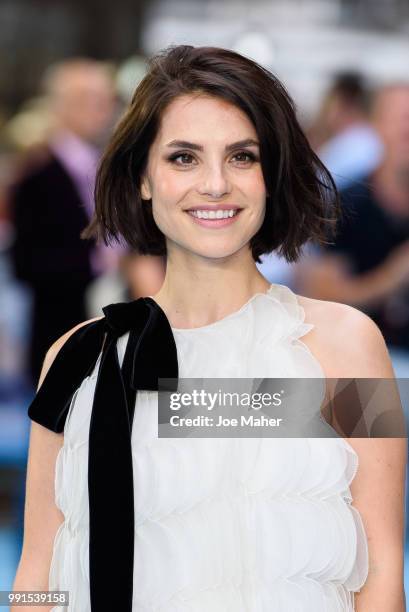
{"x": 146, "y": 193}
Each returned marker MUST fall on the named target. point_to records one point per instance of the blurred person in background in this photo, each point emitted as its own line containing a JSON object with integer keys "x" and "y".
{"x": 52, "y": 201}
{"x": 144, "y": 274}
{"x": 346, "y": 142}
{"x": 367, "y": 266}
{"x": 342, "y": 134}
{"x": 137, "y": 276}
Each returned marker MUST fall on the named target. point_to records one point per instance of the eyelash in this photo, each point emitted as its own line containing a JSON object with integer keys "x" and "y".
{"x": 174, "y": 157}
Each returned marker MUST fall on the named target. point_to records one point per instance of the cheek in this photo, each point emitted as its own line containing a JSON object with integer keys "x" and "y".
{"x": 255, "y": 189}
{"x": 168, "y": 184}
{"x": 164, "y": 204}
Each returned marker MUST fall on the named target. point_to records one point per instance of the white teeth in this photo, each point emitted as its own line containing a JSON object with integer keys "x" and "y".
{"x": 213, "y": 214}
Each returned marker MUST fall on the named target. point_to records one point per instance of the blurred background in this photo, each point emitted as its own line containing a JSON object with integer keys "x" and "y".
{"x": 68, "y": 69}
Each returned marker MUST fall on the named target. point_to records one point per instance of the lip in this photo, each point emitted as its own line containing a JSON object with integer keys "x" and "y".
{"x": 214, "y": 223}
{"x": 215, "y": 207}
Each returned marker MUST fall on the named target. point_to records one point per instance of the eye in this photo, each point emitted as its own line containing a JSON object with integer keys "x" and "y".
{"x": 185, "y": 156}
{"x": 243, "y": 155}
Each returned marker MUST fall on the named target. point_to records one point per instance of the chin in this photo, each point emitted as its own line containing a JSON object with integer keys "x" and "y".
{"x": 214, "y": 253}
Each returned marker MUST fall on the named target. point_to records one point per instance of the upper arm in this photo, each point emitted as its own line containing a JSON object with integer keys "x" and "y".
{"x": 348, "y": 342}
{"x": 359, "y": 351}
{"x": 378, "y": 493}
{"x": 41, "y": 516}
{"x": 54, "y": 349}
{"x": 378, "y": 489}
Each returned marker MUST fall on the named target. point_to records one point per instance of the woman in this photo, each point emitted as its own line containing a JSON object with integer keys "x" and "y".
{"x": 209, "y": 523}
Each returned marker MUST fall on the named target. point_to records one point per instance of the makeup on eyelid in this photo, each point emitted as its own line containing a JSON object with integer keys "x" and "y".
{"x": 251, "y": 157}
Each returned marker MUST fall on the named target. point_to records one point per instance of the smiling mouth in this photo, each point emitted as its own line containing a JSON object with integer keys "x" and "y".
{"x": 214, "y": 214}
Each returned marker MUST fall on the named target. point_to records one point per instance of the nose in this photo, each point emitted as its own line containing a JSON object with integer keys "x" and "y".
{"x": 214, "y": 182}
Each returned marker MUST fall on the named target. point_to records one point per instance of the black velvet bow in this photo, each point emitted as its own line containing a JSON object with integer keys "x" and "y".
{"x": 150, "y": 354}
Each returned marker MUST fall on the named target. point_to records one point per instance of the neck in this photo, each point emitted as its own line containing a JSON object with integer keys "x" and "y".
{"x": 198, "y": 291}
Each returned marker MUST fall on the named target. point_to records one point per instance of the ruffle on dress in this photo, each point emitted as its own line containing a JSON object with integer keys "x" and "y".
{"x": 228, "y": 524}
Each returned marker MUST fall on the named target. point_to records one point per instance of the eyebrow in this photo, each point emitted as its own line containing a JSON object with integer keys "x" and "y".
{"x": 184, "y": 144}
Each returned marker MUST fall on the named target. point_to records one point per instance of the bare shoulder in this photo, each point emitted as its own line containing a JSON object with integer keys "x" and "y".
{"x": 56, "y": 347}
{"x": 347, "y": 342}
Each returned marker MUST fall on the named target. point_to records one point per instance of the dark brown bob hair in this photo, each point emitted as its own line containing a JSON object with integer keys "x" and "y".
{"x": 302, "y": 202}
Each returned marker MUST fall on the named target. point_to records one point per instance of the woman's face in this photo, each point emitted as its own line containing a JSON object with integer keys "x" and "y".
{"x": 205, "y": 157}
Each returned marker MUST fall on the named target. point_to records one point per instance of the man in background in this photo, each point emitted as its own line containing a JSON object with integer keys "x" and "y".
{"x": 52, "y": 202}
{"x": 347, "y": 143}
{"x": 343, "y": 136}
{"x": 367, "y": 266}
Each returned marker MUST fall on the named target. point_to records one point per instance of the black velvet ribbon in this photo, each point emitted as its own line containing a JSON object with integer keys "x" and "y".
{"x": 150, "y": 354}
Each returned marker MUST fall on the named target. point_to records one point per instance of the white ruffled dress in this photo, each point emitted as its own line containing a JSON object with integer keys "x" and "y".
{"x": 228, "y": 524}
